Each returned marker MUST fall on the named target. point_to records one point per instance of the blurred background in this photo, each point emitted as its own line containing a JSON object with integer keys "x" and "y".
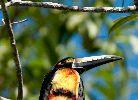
{"x": 50, "y": 35}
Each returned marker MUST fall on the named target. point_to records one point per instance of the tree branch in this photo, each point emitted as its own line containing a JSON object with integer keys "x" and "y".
{"x": 73, "y": 8}
{"x": 16, "y": 22}
{"x": 14, "y": 50}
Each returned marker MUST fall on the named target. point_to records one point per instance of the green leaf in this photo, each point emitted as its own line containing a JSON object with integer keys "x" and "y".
{"x": 122, "y": 21}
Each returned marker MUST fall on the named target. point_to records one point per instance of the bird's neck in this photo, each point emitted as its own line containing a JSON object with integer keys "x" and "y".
{"x": 65, "y": 85}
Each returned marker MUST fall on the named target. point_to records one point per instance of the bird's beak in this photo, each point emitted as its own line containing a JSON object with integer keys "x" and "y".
{"x": 87, "y": 63}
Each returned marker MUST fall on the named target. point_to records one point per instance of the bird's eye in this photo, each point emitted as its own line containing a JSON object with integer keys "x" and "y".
{"x": 69, "y": 60}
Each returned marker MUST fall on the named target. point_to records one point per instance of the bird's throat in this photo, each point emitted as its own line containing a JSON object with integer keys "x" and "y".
{"x": 65, "y": 85}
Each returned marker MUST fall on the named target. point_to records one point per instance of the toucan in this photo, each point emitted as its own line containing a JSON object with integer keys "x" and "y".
{"x": 63, "y": 82}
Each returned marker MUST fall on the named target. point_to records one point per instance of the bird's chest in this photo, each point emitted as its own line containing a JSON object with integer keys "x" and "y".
{"x": 65, "y": 84}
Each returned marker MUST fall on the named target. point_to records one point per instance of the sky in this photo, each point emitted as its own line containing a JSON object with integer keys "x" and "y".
{"x": 132, "y": 56}
{"x": 132, "y": 62}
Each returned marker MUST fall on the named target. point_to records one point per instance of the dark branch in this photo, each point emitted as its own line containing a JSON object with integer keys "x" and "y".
{"x": 14, "y": 50}
{"x": 73, "y": 8}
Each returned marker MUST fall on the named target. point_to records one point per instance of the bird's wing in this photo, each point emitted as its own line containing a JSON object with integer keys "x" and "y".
{"x": 81, "y": 91}
{"x": 46, "y": 85}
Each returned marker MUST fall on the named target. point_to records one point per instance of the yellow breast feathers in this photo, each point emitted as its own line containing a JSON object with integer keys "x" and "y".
{"x": 66, "y": 79}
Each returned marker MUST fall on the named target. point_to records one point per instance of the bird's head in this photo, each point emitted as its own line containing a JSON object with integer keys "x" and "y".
{"x": 64, "y": 80}
{"x": 86, "y": 63}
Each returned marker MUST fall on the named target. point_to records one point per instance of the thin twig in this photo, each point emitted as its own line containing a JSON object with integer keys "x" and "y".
{"x": 17, "y": 22}
{"x": 73, "y": 8}
{"x": 123, "y": 2}
{"x": 14, "y": 50}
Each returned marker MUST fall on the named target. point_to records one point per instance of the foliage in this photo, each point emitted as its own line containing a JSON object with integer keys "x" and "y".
{"x": 48, "y": 36}
{"x": 122, "y": 21}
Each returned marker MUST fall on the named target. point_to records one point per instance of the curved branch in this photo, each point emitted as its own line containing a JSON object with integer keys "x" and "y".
{"x": 14, "y": 50}
{"x": 73, "y": 8}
